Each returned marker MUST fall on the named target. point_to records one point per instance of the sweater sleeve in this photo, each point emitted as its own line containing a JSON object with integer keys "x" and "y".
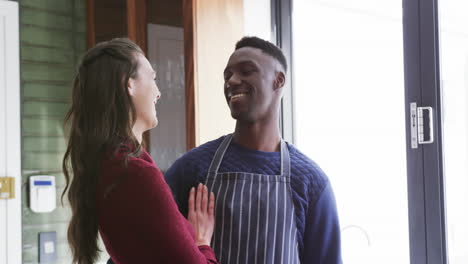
{"x": 181, "y": 177}
{"x": 143, "y": 225}
{"x": 322, "y": 243}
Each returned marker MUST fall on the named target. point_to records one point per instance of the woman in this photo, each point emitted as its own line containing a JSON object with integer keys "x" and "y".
{"x": 114, "y": 187}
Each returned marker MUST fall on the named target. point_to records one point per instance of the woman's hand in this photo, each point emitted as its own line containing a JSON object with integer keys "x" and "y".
{"x": 201, "y": 214}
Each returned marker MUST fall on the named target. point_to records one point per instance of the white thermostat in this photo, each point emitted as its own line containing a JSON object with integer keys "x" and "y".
{"x": 42, "y": 193}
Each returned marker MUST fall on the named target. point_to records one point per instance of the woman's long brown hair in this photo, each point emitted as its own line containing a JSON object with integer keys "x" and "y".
{"x": 100, "y": 119}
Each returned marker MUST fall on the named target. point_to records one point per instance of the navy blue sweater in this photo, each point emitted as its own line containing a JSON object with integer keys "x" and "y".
{"x": 315, "y": 208}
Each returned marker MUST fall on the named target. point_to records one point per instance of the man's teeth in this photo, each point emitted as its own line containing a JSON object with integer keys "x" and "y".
{"x": 237, "y": 95}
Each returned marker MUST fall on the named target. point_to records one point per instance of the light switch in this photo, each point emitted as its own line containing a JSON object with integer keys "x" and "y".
{"x": 47, "y": 246}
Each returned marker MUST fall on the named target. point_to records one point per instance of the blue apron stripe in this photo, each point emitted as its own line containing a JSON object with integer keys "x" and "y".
{"x": 275, "y": 226}
{"x": 240, "y": 221}
{"x": 223, "y": 222}
{"x": 216, "y": 211}
{"x": 213, "y": 179}
{"x": 211, "y": 189}
{"x": 293, "y": 256}
{"x": 250, "y": 214}
{"x": 267, "y": 216}
{"x": 295, "y": 246}
{"x": 290, "y": 254}
{"x": 284, "y": 223}
{"x": 280, "y": 225}
{"x": 258, "y": 221}
{"x": 232, "y": 215}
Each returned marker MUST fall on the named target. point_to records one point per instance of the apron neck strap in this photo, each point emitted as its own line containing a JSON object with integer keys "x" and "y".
{"x": 285, "y": 160}
{"x": 218, "y": 157}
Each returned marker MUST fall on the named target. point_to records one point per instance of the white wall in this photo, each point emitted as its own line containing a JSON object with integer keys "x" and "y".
{"x": 219, "y": 25}
{"x": 257, "y": 18}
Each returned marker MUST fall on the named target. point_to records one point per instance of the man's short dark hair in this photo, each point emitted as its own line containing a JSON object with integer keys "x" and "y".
{"x": 266, "y": 46}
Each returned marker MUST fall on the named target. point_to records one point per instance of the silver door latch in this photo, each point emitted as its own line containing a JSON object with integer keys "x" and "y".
{"x": 418, "y": 135}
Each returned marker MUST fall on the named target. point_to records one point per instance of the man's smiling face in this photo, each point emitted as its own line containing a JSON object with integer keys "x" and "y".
{"x": 249, "y": 84}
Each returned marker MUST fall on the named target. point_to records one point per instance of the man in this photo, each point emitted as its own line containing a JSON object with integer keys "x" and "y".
{"x": 273, "y": 204}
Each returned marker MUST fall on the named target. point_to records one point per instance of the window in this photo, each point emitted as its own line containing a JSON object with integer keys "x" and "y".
{"x": 350, "y": 118}
{"x": 453, "y": 24}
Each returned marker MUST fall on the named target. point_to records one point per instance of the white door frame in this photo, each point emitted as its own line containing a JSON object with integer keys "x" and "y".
{"x": 10, "y": 132}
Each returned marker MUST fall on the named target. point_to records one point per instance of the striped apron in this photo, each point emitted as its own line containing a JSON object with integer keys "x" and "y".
{"x": 255, "y": 220}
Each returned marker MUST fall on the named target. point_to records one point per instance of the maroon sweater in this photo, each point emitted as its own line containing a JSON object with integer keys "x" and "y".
{"x": 138, "y": 219}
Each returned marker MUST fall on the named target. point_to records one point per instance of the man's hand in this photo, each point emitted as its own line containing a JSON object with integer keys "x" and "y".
{"x": 201, "y": 214}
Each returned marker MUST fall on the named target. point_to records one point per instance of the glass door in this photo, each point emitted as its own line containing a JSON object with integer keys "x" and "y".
{"x": 349, "y": 108}
{"x": 453, "y": 46}
{"x": 359, "y": 68}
